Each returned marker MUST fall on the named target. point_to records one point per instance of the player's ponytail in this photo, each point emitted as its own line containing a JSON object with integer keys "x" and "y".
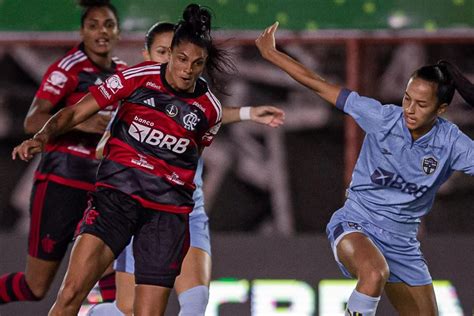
{"x": 195, "y": 27}
{"x": 464, "y": 87}
{"x": 87, "y": 5}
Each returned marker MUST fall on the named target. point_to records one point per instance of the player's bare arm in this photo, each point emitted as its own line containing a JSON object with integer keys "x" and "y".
{"x": 266, "y": 45}
{"x": 264, "y": 114}
{"x": 39, "y": 114}
{"x": 58, "y": 124}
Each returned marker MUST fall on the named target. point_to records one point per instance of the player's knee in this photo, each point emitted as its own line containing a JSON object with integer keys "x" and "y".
{"x": 72, "y": 290}
{"x": 377, "y": 276}
{"x": 193, "y": 302}
{"x": 126, "y": 306}
{"x": 39, "y": 293}
{"x": 39, "y": 289}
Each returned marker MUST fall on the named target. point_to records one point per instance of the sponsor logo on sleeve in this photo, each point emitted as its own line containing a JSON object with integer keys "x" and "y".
{"x": 49, "y": 88}
{"x": 57, "y": 79}
{"x": 114, "y": 83}
{"x": 215, "y": 129}
{"x": 104, "y": 92}
{"x": 429, "y": 165}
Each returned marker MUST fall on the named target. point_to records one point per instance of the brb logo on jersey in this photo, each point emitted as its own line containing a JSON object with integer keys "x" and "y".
{"x": 429, "y": 165}
{"x": 389, "y": 179}
{"x": 114, "y": 83}
{"x": 142, "y": 130}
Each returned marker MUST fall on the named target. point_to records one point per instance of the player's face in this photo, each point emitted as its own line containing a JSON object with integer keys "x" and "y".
{"x": 420, "y": 106}
{"x": 159, "y": 50}
{"x": 187, "y": 62}
{"x": 100, "y": 32}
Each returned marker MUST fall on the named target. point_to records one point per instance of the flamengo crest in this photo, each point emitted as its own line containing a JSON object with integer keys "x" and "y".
{"x": 429, "y": 165}
{"x": 190, "y": 121}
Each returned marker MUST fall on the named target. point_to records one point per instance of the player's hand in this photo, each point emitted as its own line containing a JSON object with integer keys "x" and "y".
{"x": 266, "y": 41}
{"x": 96, "y": 124}
{"x": 267, "y": 115}
{"x": 27, "y": 149}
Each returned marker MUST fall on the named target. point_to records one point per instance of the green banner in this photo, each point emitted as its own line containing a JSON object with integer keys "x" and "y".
{"x": 137, "y": 15}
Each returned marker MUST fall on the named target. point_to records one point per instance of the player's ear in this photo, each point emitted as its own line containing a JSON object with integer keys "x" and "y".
{"x": 146, "y": 55}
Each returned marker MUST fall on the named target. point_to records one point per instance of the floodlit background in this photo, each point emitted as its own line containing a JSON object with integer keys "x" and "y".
{"x": 269, "y": 193}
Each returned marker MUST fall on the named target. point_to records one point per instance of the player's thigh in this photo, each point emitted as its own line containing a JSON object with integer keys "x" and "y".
{"x": 360, "y": 255}
{"x": 412, "y": 300}
{"x": 90, "y": 257}
{"x": 196, "y": 270}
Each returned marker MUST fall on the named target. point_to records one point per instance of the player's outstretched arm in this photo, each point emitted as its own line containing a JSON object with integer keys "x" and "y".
{"x": 264, "y": 114}
{"x": 59, "y": 123}
{"x": 266, "y": 45}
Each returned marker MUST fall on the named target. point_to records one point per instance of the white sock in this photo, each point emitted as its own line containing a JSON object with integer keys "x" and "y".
{"x": 193, "y": 302}
{"x": 104, "y": 309}
{"x": 362, "y": 304}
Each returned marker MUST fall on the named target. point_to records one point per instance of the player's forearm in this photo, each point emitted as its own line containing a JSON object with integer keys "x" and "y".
{"x": 33, "y": 124}
{"x": 58, "y": 124}
{"x": 230, "y": 114}
{"x": 303, "y": 75}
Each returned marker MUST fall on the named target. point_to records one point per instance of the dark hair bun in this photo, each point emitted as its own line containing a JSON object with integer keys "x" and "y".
{"x": 198, "y": 18}
{"x": 93, "y": 3}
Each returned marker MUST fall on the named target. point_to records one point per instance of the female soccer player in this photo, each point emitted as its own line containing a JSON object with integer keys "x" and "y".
{"x": 145, "y": 183}
{"x": 192, "y": 285}
{"x": 408, "y": 152}
{"x": 67, "y": 168}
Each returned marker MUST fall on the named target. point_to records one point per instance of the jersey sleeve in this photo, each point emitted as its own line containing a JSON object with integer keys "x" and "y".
{"x": 463, "y": 154}
{"x": 114, "y": 89}
{"x": 215, "y": 118}
{"x": 56, "y": 84}
{"x": 371, "y": 115}
{"x": 210, "y": 134}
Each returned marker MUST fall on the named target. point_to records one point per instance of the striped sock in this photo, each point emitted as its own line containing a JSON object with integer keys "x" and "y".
{"x": 107, "y": 287}
{"x": 13, "y": 288}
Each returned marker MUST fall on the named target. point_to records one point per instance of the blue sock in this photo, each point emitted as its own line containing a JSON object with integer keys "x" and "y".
{"x": 105, "y": 309}
{"x": 361, "y": 304}
{"x": 193, "y": 302}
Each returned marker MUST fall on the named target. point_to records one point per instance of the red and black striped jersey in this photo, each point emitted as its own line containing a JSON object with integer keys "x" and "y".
{"x": 157, "y": 136}
{"x": 70, "y": 158}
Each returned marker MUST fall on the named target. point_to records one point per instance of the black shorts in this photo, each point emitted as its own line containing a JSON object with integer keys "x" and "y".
{"x": 55, "y": 210}
{"x": 161, "y": 238}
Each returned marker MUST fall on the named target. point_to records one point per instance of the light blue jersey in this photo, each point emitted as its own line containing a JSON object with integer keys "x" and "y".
{"x": 394, "y": 183}
{"x": 395, "y": 179}
{"x": 198, "y": 227}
